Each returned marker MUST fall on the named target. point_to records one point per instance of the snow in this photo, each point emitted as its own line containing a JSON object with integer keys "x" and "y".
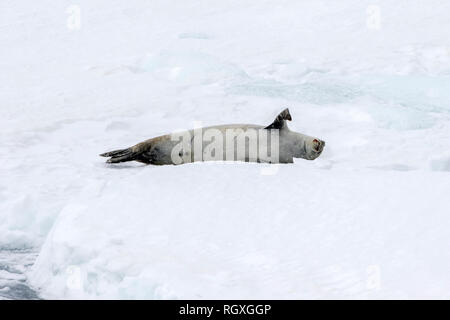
{"x": 367, "y": 219}
{"x": 14, "y": 263}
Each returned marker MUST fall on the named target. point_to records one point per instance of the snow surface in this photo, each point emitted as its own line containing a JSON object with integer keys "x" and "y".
{"x": 368, "y": 219}
{"x": 14, "y": 263}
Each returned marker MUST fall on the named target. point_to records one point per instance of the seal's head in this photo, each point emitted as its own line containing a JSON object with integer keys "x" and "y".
{"x": 295, "y": 144}
{"x": 313, "y": 148}
{"x": 306, "y": 147}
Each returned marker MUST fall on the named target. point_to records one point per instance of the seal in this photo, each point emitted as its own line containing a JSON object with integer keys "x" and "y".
{"x": 233, "y": 142}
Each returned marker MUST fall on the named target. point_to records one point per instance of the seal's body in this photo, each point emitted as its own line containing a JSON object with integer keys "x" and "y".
{"x": 236, "y": 142}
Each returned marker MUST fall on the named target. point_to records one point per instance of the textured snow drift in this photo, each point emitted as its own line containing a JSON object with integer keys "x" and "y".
{"x": 368, "y": 219}
{"x": 13, "y": 264}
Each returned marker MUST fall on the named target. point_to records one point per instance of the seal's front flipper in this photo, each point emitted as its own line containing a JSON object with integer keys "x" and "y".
{"x": 280, "y": 120}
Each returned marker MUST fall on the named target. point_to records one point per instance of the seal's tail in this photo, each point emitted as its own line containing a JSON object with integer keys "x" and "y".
{"x": 121, "y": 155}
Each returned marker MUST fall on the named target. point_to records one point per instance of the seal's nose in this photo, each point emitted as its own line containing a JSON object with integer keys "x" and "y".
{"x": 321, "y": 145}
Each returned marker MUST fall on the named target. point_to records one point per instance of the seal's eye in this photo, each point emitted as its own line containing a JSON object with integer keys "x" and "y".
{"x": 316, "y": 145}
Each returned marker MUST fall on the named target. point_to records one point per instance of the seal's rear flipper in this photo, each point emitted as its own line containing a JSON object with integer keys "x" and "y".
{"x": 280, "y": 120}
{"x": 121, "y": 155}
